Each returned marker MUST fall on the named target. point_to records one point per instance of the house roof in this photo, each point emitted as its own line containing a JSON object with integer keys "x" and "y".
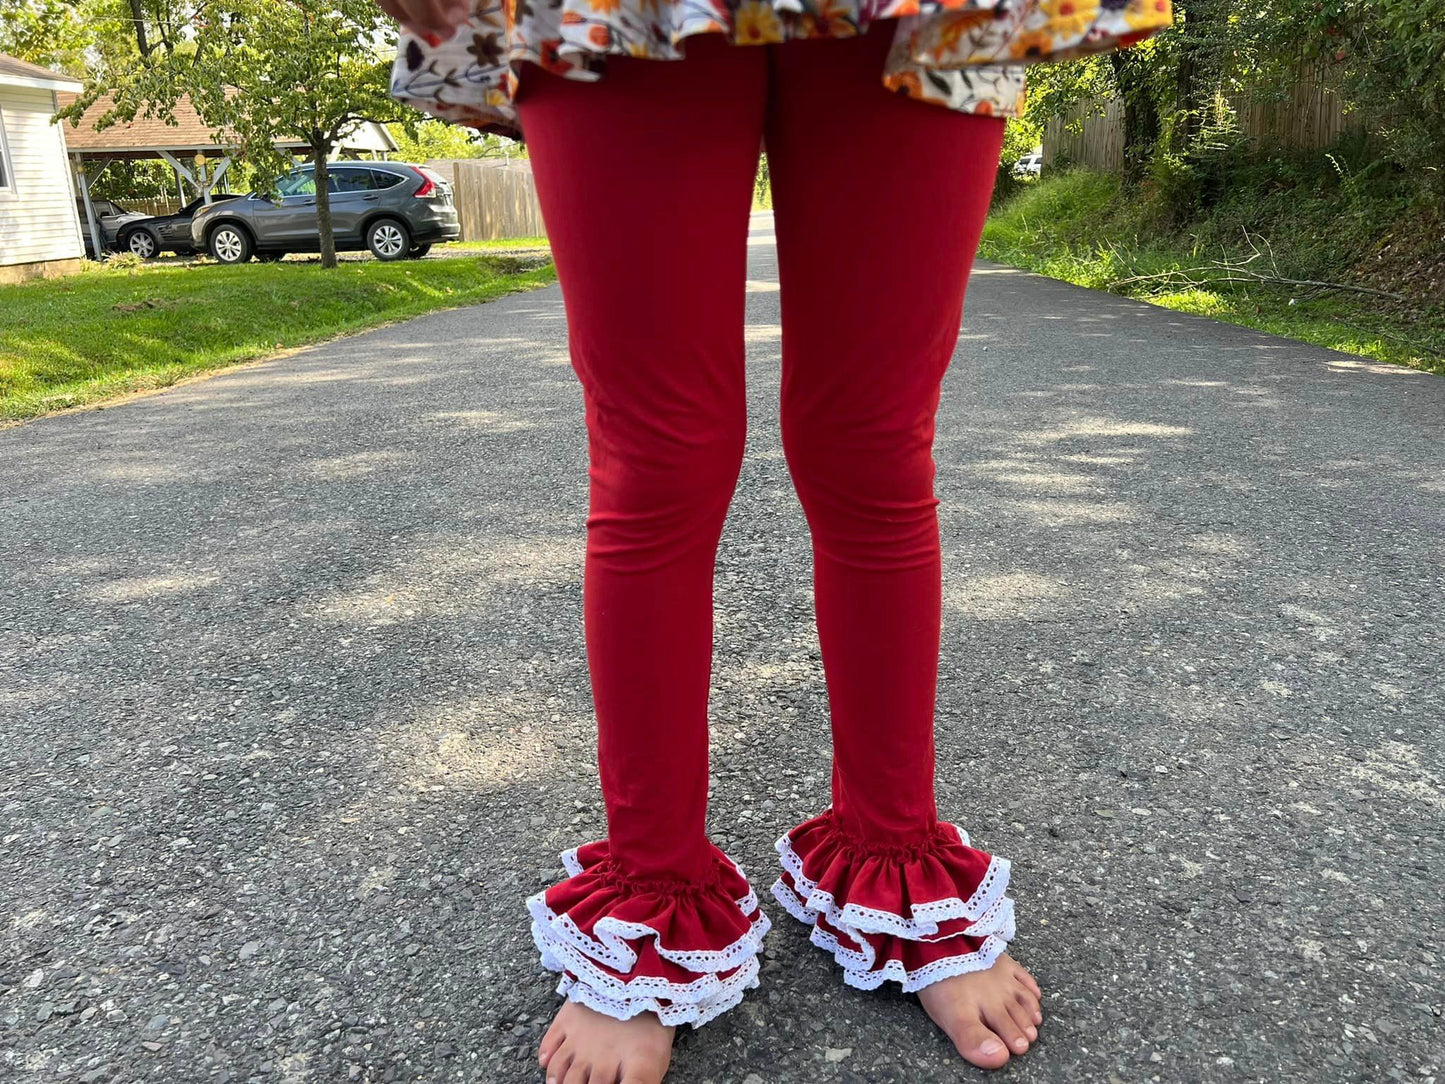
{"x": 148, "y": 134}
{"x": 144, "y": 136}
{"x": 22, "y": 73}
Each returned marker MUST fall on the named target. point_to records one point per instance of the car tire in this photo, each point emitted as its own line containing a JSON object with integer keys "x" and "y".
{"x": 142, "y": 243}
{"x": 230, "y": 244}
{"x": 388, "y": 239}
{"x": 418, "y": 251}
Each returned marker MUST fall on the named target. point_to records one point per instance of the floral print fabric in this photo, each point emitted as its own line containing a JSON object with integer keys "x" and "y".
{"x": 967, "y": 55}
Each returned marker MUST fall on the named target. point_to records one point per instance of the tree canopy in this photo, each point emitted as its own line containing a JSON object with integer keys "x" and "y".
{"x": 1385, "y": 59}
{"x": 260, "y": 70}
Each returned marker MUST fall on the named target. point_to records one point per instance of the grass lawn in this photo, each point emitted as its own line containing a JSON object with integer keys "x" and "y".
{"x": 1076, "y": 226}
{"x": 78, "y": 340}
{"x": 506, "y": 244}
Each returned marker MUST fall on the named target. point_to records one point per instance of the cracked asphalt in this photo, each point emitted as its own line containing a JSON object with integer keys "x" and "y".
{"x": 294, "y": 711}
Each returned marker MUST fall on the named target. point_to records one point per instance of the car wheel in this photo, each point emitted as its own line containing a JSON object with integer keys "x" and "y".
{"x": 230, "y": 244}
{"x": 388, "y": 239}
{"x": 142, "y": 243}
{"x": 418, "y": 251}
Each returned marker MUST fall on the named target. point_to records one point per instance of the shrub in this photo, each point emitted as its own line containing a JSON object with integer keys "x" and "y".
{"x": 123, "y": 261}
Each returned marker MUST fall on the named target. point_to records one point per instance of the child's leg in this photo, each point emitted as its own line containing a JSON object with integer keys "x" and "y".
{"x": 645, "y": 180}
{"x": 879, "y": 202}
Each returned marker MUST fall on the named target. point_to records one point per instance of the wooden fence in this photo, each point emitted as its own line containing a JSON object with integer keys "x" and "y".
{"x": 1087, "y": 137}
{"x": 495, "y": 198}
{"x": 1309, "y": 118}
{"x": 155, "y": 205}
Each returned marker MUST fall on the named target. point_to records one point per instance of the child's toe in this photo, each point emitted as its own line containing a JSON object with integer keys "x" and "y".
{"x": 554, "y": 1038}
{"x": 1020, "y": 1017}
{"x": 980, "y": 1045}
{"x": 1002, "y": 1025}
{"x": 559, "y": 1065}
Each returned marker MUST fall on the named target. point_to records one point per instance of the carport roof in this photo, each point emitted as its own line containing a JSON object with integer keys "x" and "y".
{"x": 145, "y": 137}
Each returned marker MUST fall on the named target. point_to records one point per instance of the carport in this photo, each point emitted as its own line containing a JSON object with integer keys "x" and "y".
{"x": 199, "y": 154}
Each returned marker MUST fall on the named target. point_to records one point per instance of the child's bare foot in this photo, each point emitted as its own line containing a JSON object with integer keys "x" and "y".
{"x": 989, "y": 1013}
{"x": 585, "y": 1047}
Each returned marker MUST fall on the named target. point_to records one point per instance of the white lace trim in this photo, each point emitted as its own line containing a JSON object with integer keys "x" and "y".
{"x": 998, "y": 922}
{"x": 570, "y": 862}
{"x": 925, "y": 917}
{"x": 729, "y": 993}
{"x": 564, "y": 947}
{"x": 871, "y": 977}
{"x": 701, "y": 991}
{"x": 791, "y": 903}
{"x": 609, "y": 945}
{"x": 860, "y": 964}
{"x": 989, "y": 910}
{"x": 560, "y": 933}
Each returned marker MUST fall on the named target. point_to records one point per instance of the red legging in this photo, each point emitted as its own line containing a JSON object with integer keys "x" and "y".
{"x": 645, "y": 180}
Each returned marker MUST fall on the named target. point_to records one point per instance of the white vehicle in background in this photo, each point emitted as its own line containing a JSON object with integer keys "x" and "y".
{"x": 1031, "y": 164}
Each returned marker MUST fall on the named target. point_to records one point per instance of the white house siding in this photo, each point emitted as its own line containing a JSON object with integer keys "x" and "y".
{"x": 38, "y": 222}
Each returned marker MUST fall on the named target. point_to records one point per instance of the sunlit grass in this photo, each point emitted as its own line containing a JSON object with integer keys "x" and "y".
{"x": 78, "y": 340}
{"x": 1077, "y": 226}
{"x": 506, "y": 244}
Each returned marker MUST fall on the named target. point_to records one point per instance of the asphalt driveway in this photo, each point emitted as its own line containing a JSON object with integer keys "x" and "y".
{"x": 294, "y": 713}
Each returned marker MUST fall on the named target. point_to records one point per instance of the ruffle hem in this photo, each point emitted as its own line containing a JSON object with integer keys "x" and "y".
{"x": 966, "y": 55}
{"x": 686, "y": 952}
{"x": 911, "y": 914}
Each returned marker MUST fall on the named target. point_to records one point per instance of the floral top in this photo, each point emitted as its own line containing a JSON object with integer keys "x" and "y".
{"x": 967, "y": 55}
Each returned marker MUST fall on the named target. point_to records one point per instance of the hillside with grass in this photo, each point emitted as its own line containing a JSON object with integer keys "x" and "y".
{"x": 1317, "y": 248}
{"x": 1277, "y": 166}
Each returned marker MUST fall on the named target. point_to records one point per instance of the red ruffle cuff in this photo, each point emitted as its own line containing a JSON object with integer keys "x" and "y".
{"x": 685, "y": 951}
{"x": 910, "y": 913}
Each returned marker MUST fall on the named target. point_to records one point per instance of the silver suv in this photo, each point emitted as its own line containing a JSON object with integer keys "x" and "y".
{"x": 394, "y": 209}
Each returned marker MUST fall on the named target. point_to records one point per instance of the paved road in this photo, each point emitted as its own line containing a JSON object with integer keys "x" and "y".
{"x": 293, "y": 712}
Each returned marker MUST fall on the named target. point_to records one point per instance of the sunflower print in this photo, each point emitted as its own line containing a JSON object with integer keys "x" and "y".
{"x": 1070, "y": 16}
{"x": 756, "y": 23}
{"x": 966, "y": 55}
{"x": 1145, "y": 14}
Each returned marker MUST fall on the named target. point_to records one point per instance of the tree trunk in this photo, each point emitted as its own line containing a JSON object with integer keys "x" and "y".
{"x": 1186, "y": 95}
{"x": 319, "y": 151}
{"x": 139, "y": 23}
{"x": 1195, "y": 78}
{"x": 1141, "y": 116}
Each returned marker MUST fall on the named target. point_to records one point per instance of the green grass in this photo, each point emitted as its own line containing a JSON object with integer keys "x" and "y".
{"x": 1078, "y": 226}
{"x": 506, "y": 244}
{"x": 106, "y": 332}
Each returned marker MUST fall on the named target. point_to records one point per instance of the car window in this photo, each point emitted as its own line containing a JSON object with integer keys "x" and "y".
{"x": 190, "y": 208}
{"x": 297, "y": 184}
{"x": 382, "y": 179}
{"x": 350, "y": 180}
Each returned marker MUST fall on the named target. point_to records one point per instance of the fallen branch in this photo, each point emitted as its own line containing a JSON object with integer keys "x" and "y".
{"x": 1236, "y": 272}
{"x": 1232, "y": 270}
